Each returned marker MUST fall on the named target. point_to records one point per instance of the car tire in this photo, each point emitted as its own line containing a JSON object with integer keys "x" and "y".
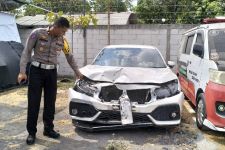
{"x": 201, "y": 111}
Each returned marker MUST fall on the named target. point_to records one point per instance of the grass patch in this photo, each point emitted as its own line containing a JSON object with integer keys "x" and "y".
{"x": 64, "y": 84}
{"x": 116, "y": 145}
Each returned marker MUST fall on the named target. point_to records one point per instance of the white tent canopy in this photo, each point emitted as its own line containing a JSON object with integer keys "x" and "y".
{"x": 8, "y": 28}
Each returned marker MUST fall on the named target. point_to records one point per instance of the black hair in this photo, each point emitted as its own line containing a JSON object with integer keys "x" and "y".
{"x": 62, "y": 22}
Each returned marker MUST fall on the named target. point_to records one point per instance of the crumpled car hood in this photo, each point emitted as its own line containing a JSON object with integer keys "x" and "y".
{"x": 128, "y": 74}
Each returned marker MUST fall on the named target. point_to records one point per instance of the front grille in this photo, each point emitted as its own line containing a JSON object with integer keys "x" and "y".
{"x": 140, "y": 96}
{"x": 140, "y": 118}
{"x": 82, "y": 110}
{"x": 110, "y": 115}
{"x": 115, "y": 116}
{"x": 109, "y": 93}
{"x": 163, "y": 113}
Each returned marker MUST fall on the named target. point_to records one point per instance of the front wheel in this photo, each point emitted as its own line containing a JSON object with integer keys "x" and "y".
{"x": 200, "y": 111}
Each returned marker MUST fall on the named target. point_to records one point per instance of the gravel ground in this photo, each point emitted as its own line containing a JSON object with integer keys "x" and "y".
{"x": 13, "y": 106}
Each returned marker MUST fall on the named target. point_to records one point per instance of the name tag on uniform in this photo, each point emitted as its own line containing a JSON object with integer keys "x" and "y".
{"x": 41, "y": 49}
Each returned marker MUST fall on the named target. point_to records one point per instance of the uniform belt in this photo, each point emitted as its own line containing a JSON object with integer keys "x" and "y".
{"x": 43, "y": 66}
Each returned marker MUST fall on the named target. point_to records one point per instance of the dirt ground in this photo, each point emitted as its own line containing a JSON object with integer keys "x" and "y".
{"x": 13, "y": 106}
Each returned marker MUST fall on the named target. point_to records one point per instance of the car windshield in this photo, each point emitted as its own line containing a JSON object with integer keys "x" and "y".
{"x": 130, "y": 57}
{"x": 217, "y": 44}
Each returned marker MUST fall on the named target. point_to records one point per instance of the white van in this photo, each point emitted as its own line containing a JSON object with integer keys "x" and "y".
{"x": 201, "y": 72}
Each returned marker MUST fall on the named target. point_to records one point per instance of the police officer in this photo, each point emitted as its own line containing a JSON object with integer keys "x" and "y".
{"x": 46, "y": 44}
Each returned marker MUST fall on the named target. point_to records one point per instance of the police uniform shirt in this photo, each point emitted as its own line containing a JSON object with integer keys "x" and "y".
{"x": 46, "y": 48}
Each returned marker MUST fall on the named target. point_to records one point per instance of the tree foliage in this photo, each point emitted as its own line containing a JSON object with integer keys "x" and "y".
{"x": 115, "y": 5}
{"x": 76, "y": 6}
{"x": 67, "y": 6}
{"x": 178, "y": 11}
{"x": 75, "y": 22}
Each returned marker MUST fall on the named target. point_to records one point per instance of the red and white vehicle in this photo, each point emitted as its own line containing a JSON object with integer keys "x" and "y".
{"x": 201, "y": 72}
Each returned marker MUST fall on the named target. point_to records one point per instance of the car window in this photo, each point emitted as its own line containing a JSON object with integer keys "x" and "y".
{"x": 199, "y": 39}
{"x": 189, "y": 44}
{"x": 130, "y": 57}
{"x": 217, "y": 44}
{"x": 183, "y": 44}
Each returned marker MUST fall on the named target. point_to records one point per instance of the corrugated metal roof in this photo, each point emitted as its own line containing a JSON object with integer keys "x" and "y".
{"x": 115, "y": 19}
{"x": 7, "y": 5}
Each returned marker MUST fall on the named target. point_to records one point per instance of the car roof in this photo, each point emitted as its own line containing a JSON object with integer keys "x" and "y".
{"x": 208, "y": 27}
{"x": 131, "y": 46}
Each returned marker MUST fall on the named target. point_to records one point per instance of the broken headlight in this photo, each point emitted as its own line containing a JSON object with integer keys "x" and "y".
{"x": 85, "y": 86}
{"x": 167, "y": 90}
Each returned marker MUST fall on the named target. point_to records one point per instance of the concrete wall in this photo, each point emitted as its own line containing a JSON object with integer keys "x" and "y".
{"x": 166, "y": 38}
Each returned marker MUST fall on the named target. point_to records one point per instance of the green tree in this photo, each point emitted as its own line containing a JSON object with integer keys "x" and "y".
{"x": 115, "y": 5}
{"x": 154, "y": 11}
{"x": 128, "y": 4}
{"x": 75, "y": 22}
{"x": 67, "y": 6}
{"x": 178, "y": 11}
{"x": 198, "y": 10}
{"x": 209, "y": 9}
{"x": 187, "y": 11}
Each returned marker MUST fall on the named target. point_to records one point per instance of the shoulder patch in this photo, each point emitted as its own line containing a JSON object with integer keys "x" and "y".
{"x": 66, "y": 48}
{"x": 33, "y": 36}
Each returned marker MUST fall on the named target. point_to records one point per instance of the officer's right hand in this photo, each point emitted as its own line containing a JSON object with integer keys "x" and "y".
{"x": 78, "y": 75}
{"x": 21, "y": 77}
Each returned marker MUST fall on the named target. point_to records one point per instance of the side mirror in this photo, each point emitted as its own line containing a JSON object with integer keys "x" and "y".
{"x": 171, "y": 64}
{"x": 198, "y": 50}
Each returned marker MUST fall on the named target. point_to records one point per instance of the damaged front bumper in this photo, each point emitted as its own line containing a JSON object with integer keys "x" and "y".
{"x": 91, "y": 114}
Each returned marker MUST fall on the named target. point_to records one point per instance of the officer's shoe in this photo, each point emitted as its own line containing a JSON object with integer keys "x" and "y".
{"x": 30, "y": 139}
{"x": 51, "y": 133}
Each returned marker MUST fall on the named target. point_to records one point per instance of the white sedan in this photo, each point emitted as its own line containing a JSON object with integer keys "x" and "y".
{"x": 126, "y": 86}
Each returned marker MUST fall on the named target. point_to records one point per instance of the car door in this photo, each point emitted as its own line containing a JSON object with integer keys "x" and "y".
{"x": 183, "y": 62}
{"x": 194, "y": 67}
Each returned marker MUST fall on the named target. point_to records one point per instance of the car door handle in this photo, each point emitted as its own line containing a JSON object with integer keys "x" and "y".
{"x": 188, "y": 62}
